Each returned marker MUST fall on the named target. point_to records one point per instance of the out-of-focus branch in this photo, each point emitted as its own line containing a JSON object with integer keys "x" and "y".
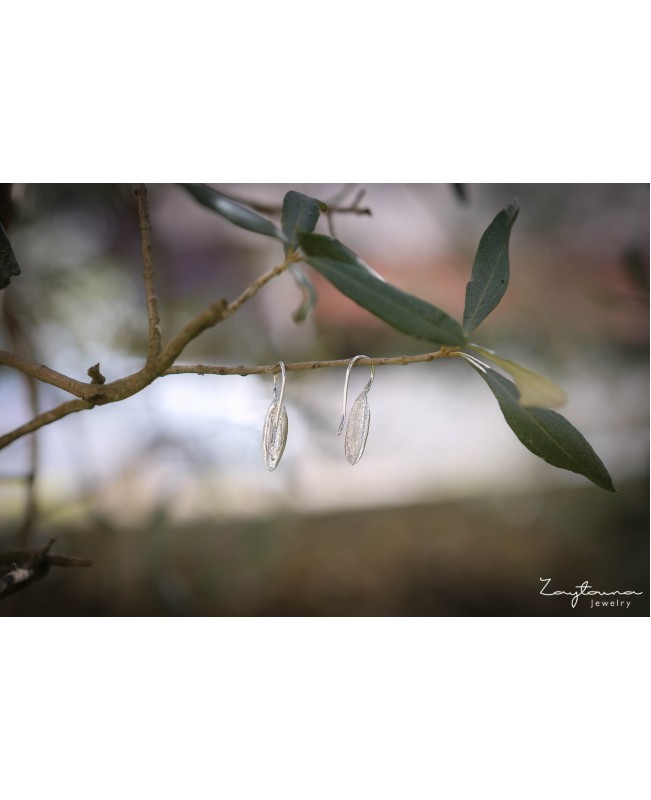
{"x": 32, "y": 564}
{"x": 334, "y": 207}
{"x": 154, "y": 339}
{"x": 21, "y": 344}
{"x": 31, "y": 510}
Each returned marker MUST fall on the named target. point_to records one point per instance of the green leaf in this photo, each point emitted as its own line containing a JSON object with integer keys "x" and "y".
{"x": 233, "y": 211}
{"x": 490, "y": 272}
{"x": 309, "y": 293}
{"x": 8, "y": 264}
{"x": 546, "y": 433}
{"x": 356, "y": 280}
{"x": 535, "y": 390}
{"x": 300, "y": 213}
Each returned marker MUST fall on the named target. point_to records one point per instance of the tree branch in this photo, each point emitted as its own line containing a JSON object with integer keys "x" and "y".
{"x": 29, "y": 565}
{"x": 388, "y": 361}
{"x": 43, "y": 373}
{"x": 128, "y": 389}
{"x": 96, "y": 394}
{"x": 160, "y": 359}
{"x": 31, "y": 508}
{"x": 14, "y": 324}
{"x": 254, "y": 288}
{"x": 270, "y": 208}
{"x": 154, "y": 339}
{"x": 69, "y": 407}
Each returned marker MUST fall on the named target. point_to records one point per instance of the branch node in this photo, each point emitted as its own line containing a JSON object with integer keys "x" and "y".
{"x": 95, "y": 375}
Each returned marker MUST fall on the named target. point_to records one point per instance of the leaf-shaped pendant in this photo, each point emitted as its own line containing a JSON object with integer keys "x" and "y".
{"x": 274, "y": 435}
{"x": 359, "y": 421}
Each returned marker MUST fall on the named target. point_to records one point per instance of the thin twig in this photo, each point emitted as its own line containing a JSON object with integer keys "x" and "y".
{"x": 32, "y": 564}
{"x": 31, "y": 509}
{"x": 333, "y": 206}
{"x": 215, "y": 313}
{"x": 270, "y": 208}
{"x": 154, "y": 339}
{"x": 21, "y": 343}
{"x": 254, "y": 288}
{"x": 69, "y": 407}
{"x": 388, "y": 361}
{"x": 43, "y": 373}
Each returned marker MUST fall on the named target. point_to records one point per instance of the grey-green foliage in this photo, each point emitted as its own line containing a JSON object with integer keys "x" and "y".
{"x": 490, "y": 271}
{"x": 545, "y": 432}
{"x": 542, "y": 431}
{"x": 401, "y": 310}
{"x": 300, "y": 215}
{"x": 233, "y": 211}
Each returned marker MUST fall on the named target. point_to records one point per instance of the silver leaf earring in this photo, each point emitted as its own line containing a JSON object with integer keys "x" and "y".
{"x": 359, "y": 418}
{"x": 274, "y": 432}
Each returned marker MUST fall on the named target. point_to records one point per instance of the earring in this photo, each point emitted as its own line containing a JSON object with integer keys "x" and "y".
{"x": 359, "y": 418}
{"x": 274, "y": 432}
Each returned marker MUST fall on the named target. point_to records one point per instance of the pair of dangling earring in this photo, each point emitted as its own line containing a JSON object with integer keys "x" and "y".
{"x": 274, "y": 432}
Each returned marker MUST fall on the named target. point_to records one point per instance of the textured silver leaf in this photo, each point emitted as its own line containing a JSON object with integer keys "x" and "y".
{"x": 359, "y": 421}
{"x": 274, "y": 436}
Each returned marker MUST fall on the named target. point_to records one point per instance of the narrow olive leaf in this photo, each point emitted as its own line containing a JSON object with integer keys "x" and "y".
{"x": 8, "y": 264}
{"x": 359, "y": 421}
{"x": 490, "y": 271}
{"x": 233, "y": 211}
{"x": 401, "y": 310}
{"x": 274, "y": 435}
{"x": 310, "y": 295}
{"x": 535, "y": 390}
{"x": 546, "y": 433}
{"x": 300, "y": 213}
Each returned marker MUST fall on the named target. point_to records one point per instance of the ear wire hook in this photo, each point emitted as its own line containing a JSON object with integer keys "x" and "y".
{"x": 282, "y": 389}
{"x": 366, "y": 388}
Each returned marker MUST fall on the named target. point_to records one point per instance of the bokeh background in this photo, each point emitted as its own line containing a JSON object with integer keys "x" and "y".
{"x": 446, "y": 514}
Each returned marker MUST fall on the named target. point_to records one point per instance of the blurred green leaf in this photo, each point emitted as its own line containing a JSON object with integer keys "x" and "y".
{"x": 546, "y": 433}
{"x": 309, "y": 293}
{"x": 535, "y": 390}
{"x": 490, "y": 271}
{"x": 300, "y": 213}
{"x": 8, "y": 264}
{"x": 233, "y": 211}
{"x": 353, "y": 278}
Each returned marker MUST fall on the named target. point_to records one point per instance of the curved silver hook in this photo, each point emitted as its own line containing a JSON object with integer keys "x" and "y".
{"x": 366, "y": 388}
{"x": 282, "y": 390}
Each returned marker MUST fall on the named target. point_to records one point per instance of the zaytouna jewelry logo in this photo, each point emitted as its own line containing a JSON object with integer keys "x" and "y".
{"x": 598, "y": 598}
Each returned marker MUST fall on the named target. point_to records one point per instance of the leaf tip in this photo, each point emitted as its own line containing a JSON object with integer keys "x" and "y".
{"x": 608, "y": 484}
{"x": 512, "y": 211}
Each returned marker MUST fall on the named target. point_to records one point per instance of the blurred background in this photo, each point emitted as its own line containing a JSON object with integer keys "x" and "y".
{"x": 446, "y": 514}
